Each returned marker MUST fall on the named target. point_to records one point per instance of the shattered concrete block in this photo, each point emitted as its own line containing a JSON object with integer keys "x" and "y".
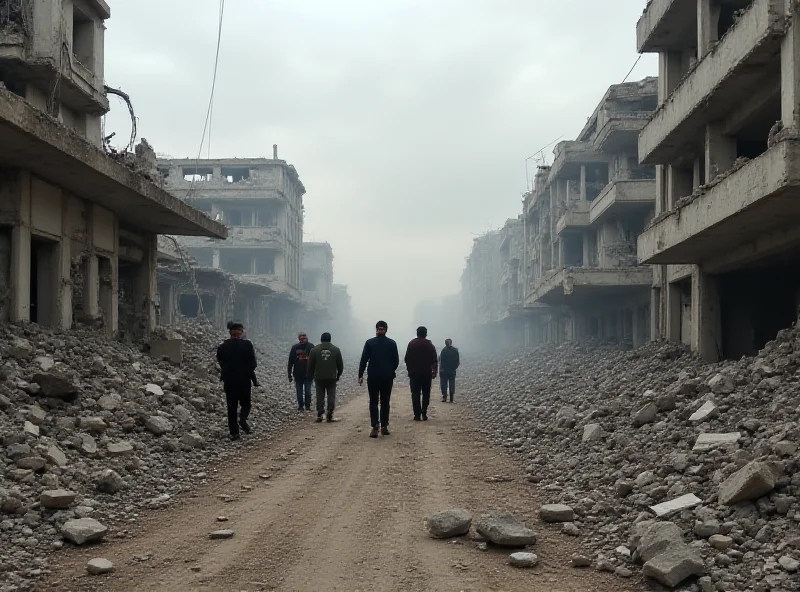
{"x": 675, "y": 565}
{"x": 707, "y": 411}
{"x": 684, "y": 502}
{"x": 708, "y": 441}
{"x": 751, "y": 482}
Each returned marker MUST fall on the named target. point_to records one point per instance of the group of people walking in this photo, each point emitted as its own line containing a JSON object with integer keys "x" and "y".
{"x": 322, "y": 365}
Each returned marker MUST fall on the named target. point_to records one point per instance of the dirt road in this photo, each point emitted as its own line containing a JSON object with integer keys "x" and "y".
{"x": 324, "y": 507}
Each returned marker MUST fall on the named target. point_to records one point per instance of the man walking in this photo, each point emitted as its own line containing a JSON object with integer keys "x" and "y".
{"x": 298, "y": 370}
{"x": 237, "y": 361}
{"x": 380, "y": 359}
{"x": 449, "y": 361}
{"x": 325, "y": 366}
{"x": 422, "y": 364}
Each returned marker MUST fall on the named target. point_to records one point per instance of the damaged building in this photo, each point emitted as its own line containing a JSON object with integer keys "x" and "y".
{"x": 724, "y": 142}
{"x": 260, "y": 200}
{"x": 317, "y": 288}
{"x": 78, "y": 228}
{"x": 480, "y": 291}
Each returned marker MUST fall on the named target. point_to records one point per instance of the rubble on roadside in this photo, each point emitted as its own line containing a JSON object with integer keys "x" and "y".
{"x": 625, "y": 438}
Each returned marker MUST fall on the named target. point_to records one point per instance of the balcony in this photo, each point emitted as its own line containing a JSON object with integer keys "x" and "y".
{"x": 257, "y": 237}
{"x": 576, "y": 218}
{"x": 667, "y": 25}
{"x": 570, "y": 156}
{"x": 584, "y": 285}
{"x": 749, "y": 215}
{"x": 623, "y": 197}
{"x": 729, "y": 74}
{"x": 619, "y": 132}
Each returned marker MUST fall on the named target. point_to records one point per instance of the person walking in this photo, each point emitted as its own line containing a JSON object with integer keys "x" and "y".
{"x": 298, "y": 366}
{"x": 237, "y": 361}
{"x": 325, "y": 366}
{"x": 422, "y": 364}
{"x": 380, "y": 360}
{"x": 449, "y": 361}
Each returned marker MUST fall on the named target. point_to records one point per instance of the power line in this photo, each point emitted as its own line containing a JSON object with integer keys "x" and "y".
{"x": 632, "y": 67}
{"x": 206, "y": 125}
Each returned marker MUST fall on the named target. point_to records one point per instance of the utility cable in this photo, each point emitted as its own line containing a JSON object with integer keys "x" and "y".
{"x": 632, "y": 67}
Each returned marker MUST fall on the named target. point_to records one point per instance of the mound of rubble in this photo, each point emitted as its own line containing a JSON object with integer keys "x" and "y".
{"x": 94, "y": 431}
{"x": 691, "y": 469}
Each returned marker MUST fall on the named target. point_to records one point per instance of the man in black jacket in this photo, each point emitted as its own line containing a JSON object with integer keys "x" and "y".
{"x": 298, "y": 370}
{"x": 449, "y": 361}
{"x": 380, "y": 359}
{"x": 422, "y": 363}
{"x": 237, "y": 361}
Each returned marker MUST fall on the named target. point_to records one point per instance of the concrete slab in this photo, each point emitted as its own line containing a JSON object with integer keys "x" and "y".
{"x": 684, "y": 502}
{"x": 707, "y": 411}
{"x": 708, "y": 441}
{"x": 172, "y": 349}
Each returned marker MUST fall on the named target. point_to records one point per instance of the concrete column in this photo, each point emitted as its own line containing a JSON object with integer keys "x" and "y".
{"x": 583, "y": 182}
{"x": 790, "y": 74}
{"x": 669, "y": 74}
{"x": 679, "y": 184}
{"x": 21, "y": 255}
{"x": 108, "y": 271}
{"x": 216, "y": 172}
{"x": 661, "y": 189}
{"x": 720, "y": 152}
{"x": 707, "y": 17}
{"x": 560, "y": 251}
{"x": 706, "y": 316}
{"x": 91, "y": 287}
{"x": 62, "y": 265}
{"x": 585, "y": 237}
{"x": 146, "y": 286}
{"x": 673, "y": 310}
{"x": 215, "y": 259}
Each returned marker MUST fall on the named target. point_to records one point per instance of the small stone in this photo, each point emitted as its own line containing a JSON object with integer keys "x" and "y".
{"x": 720, "y": 542}
{"x": 109, "y": 481}
{"x": 707, "y": 411}
{"x": 571, "y": 529}
{"x": 222, "y": 518}
{"x": 154, "y": 389}
{"x": 31, "y": 429}
{"x": 83, "y": 530}
{"x": 709, "y": 441}
{"x": 684, "y": 502}
{"x": 192, "y": 440}
{"x": 556, "y": 513}
{"x": 93, "y": 425}
{"x": 56, "y": 456}
{"x": 645, "y": 415}
{"x": 722, "y": 384}
{"x": 592, "y": 432}
{"x": 623, "y": 572}
{"x": 99, "y": 566}
{"x": 221, "y": 534}
{"x": 31, "y": 463}
{"x": 57, "y": 499}
{"x": 158, "y": 425}
{"x": 789, "y": 564}
{"x": 502, "y": 528}
{"x": 523, "y": 559}
{"x": 675, "y": 565}
{"x": 119, "y": 449}
{"x": 449, "y": 523}
{"x": 751, "y": 482}
{"x": 579, "y": 560}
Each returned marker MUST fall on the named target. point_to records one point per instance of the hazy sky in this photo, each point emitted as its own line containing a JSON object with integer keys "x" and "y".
{"x": 409, "y": 121}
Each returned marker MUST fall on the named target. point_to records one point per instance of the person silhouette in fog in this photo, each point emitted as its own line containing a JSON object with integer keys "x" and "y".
{"x": 380, "y": 360}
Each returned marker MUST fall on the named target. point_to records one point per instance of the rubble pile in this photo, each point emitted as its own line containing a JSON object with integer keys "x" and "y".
{"x": 94, "y": 431}
{"x": 688, "y": 469}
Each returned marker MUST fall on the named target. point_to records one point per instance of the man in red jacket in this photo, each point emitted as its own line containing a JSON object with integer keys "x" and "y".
{"x": 422, "y": 364}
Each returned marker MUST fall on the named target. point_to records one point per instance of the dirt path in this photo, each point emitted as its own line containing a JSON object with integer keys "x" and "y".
{"x": 341, "y": 511}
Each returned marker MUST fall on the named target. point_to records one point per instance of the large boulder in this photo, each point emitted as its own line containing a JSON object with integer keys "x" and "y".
{"x": 502, "y": 528}
{"x": 449, "y": 523}
{"x": 57, "y": 385}
{"x": 657, "y": 537}
{"x": 83, "y": 530}
{"x": 751, "y": 482}
{"x": 19, "y": 349}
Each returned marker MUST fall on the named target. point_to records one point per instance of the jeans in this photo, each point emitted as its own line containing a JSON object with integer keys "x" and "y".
{"x": 324, "y": 386}
{"x": 303, "y": 388}
{"x": 420, "y": 389}
{"x": 448, "y": 380}
{"x": 380, "y": 391}
{"x": 237, "y": 394}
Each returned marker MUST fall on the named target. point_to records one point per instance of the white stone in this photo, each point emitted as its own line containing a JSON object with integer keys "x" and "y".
{"x": 684, "y": 502}
{"x": 83, "y": 530}
{"x": 523, "y": 559}
{"x": 592, "y": 432}
{"x": 56, "y": 456}
{"x": 154, "y": 389}
{"x": 45, "y": 363}
{"x": 708, "y": 441}
{"x": 119, "y": 448}
{"x": 158, "y": 425}
{"x": 221, "y": 534}
{"x": 707, "y": 411}
{"x": 31, "y": 429}
{"x": 99, "y": 566}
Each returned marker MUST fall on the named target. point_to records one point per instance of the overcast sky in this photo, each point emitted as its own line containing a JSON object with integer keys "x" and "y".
{"x": 409, "y": 121}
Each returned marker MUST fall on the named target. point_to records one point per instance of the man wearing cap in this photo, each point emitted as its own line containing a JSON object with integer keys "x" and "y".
{"x": 237, "y": 362}
{"x": 298, "y": 366}
{"x": 380, "y": 360}
{"x": 422, "y": 364}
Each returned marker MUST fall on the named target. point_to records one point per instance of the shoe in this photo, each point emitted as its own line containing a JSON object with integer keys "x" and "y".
{"x": 416, "y": 418}
{"x": 373, "y": 433}
{"x": 385, "y": 431}
{"x": 308, "y": 408}
{"x": 245, "y": 427}
{"x": 444, "y": 400}
{"x": 300, "y": 410}
{"x": 235, "y": 437}
{"x": 424, "y": 417}
{"x": 319, "y": 419}
{"x": 329, "y": 419}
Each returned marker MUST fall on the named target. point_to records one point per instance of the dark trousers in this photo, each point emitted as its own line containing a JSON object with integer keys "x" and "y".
{"x": 380, "y": 391}
{"x": 237, "y": 394}
{"x": 303, "y": 388}
{"x": 326, "y": 386}
{"x": 448, "y": 380}
{"x": 420, "y": 393}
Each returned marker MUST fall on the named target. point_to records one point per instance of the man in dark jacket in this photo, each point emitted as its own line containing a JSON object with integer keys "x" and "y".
{"x": 449, "y": 361}
{"x": 325, "y": 366}
{"x": 422, "y": 364}
{"x": 237, "y": 361}
{"x": 380, "y": 359}
{"x": 298, "y": 362}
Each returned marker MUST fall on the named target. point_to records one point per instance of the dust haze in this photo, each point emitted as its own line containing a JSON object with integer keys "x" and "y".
{"x": 409, "y": 122}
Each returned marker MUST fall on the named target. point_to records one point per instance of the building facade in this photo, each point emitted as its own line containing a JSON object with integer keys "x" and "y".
{"x": 78, "y": 228}
{"x": 261, "y": 202}
{"x": 724, "y": 142}
{"x": 317, "y": 288}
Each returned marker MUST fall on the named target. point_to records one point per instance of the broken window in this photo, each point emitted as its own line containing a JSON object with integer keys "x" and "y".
{"x": 234, "y": 175}
{"x": 192, "y": 307}
{"x": 164, "y": 172}
{"x": 82, "y": 37}
{"x": 197, "y": 174}
{"x": 309, "y": 281}
{"x": 233, "y": 217}
{"x": 267, "y": 218}
{"x": 240, "y": 262}
{"x": 202, "y": 257}
{"x": 265, "y": 264}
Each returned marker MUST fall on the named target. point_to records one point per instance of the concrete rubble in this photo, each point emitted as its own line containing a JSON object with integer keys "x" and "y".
{"x": 574, "y": 414}
{"x": 111, "y": 437}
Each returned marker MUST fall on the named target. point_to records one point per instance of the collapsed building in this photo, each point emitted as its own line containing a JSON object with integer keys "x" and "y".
{"x": 260, "y": 200}
{"x": 724, "y": 142}
{"x": 78, "y": 228}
